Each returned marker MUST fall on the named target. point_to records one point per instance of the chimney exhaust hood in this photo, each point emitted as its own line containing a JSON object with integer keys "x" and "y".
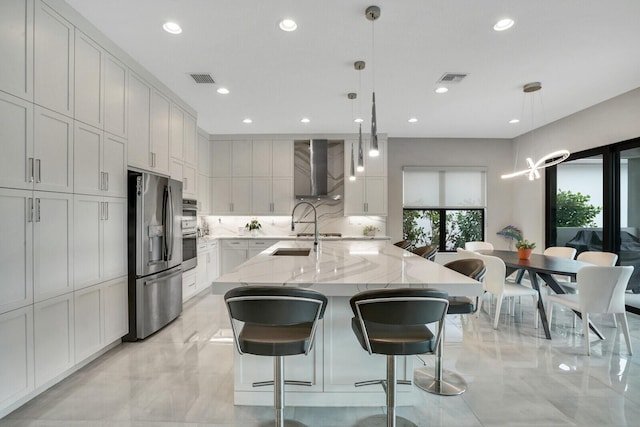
{"x": 311, "y": 170}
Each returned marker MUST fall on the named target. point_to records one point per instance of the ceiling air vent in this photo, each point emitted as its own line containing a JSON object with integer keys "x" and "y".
{"x": 452, "y": 77}
{"x": 202, "y": 78}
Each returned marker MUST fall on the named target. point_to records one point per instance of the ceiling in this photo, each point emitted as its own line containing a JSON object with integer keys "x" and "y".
{"x": 583, "y": 52}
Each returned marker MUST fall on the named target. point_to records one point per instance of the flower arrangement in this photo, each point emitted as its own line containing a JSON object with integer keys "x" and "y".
{"x": 525, "y": 244}
{"x": 254, "y": 224}
{"x": 370, "y": 230}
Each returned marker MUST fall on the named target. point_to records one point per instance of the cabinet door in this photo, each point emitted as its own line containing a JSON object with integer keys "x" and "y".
{"x": 52, "y": 245}
{"x": 376, "y": 166}
{"x": 138, "y": 119}
{"x": 234, "y": 253}
{"x": 53, "y": 151}
{"x": 87, "y": 240}
{"x": 376, "y": 196}
{"x": 281, "y": 196}
{"x": 261, "y": 159}
{"x": 201, "y": 269}
{"x": 16, "y": 134}
{"x": 87, "y": 160}
{"x": 354, "y": 196}
{"x": 16, "y": 262}
{"x": 115, "y": 97}
{"x": 261, "y": 196}
{"x": 176, "y": 171}
{"x": 241, "y": 196}
{"x": 53, "y": 332}
{"x": 190, "y": 143}
{"x": 213, "y": 267}
{"x": 53, "y": 60}
{"x": 203, "y": 195}
{"x": 160, "y": 116}
{"x": 241, "y": 159}
{"x": 88, "y": 316}
{"x": 282, "y": 159}
{"x": 189, "y": 181}
{"x": 16, "y": 357}
{"x": 221, "y": 195}
{"x": 114, "y": 242}
{"x": 88, "y": 84}
{"x": 188, "y": 284}
{"x": 204, "y": 155}
{"x": 177, "y": 132}
{"x": 114, "y": 165}
{"x": 221, "y": 159}
{"x": 116, "y": 310}
{"x": 16, "y": 48}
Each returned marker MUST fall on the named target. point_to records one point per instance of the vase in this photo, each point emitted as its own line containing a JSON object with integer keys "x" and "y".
{"x": 524, "y": 253}
{"x": 254, "y": 232}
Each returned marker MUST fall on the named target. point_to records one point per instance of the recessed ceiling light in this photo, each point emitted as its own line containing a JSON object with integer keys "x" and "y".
{"x": 504, "y": 24}
{"x": 172, "y": 27}
{"x": 412, "y": 120}
{"x": 514, "y": 121}
{"x": 442, "y": 89}
{"x": 305, "y": 120}
{"x": 223, "y": 91}
{"x": 247, "y": 121}
{"x": 288, "y": 25}
{"x": 358, "y": 120}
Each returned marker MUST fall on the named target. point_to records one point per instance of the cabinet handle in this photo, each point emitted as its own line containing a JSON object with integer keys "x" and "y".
{"x": 101, "y": 181}
{"x": 38, "y": 209}
{"x": 106, "y": 211}
{"x": 106, "y": 176}
{"x": 30, "y": 171}
{"x": 30, "y": 209}
{"x": 39, "y": 174}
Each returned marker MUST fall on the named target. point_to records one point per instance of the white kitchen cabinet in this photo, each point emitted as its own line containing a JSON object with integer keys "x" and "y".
{"x": 176, "y": 170}
{"x": 114, "y": 166}
{"x": 16, "y": 357}
{"x": 221, "y": 152}
{"x": 207, "y": 269}
{"x": 204, "y": 155}
{"x": 189, "y": 182}
{"x": 204, "y": 204}
{"x": 88, "y": 83}
{"x": 233, "y": 253}
{"x": 53, "y": 63}
{"x": 116, "y": 309}
{"x": 177, "y": 132}
{"x": 367, "y": 195}
{"x": 115, "y": 97}
{"x": 16, "y": 250}
{"x": 160, "y": 135}
{"x": 271, "y": 196}
{"x": 138, "y": 119}
{"x": 272, "y": 158}
{"x": 258, "y": 245}
{"x": 52, "y": 244}
{"x": 16, "y": 134}
{"x": 190, "y": 140}
{"x": 52, "y": 151}
{"x": 189, "y": 285}
{"x": 88, "y": 315}
{"x": 16, "y": 48}
{"x": 53, "y": 332}
{"x": 272, "y": 183}
{"x": 100, "y": 239}
{"x": 231, "y": 195}
{"x": 261, "y": 159}
{"x": 213, "y": 262}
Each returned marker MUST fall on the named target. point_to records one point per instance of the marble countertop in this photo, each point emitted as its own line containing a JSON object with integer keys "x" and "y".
{"x": 345, "y": 267}
{"x": 287, "y": 237}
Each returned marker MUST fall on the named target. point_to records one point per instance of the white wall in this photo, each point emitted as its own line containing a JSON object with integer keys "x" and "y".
{"x": 493, "y": 154}
{"x": 609, "y": 122}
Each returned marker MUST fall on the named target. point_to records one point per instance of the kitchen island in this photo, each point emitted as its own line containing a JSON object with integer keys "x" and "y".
{"x": 339, "y": 269}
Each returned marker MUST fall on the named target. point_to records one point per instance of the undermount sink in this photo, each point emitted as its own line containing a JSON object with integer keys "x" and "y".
{"x": 291, "y": 252}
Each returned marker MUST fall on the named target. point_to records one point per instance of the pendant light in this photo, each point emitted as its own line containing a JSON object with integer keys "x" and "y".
{"x": 551, "y": 159}
{"x": 359, "y": 66}
{"x": 372, "y": 13}
{"x": 352, "y": 174}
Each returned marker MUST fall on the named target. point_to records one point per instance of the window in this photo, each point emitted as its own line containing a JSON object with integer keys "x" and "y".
{"x": 443, "y": 206}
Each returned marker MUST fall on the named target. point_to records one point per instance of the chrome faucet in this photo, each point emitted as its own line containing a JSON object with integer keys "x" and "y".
{"x": 315, "y": 222}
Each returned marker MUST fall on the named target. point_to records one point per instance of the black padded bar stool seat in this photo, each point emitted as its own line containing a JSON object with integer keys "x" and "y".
{"x": 429, "y": 252}
{"x": 275, "y": 321}
{"x": 404, "y": 244}
{"x": 394, "y": 322}
{"x": 453, "y": 384}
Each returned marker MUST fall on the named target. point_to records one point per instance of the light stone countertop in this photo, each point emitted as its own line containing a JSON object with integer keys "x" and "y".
{"x": 345, "y": 267}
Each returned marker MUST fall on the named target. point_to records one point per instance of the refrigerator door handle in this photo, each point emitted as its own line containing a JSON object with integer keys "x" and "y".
{"x": 168, "y": 223}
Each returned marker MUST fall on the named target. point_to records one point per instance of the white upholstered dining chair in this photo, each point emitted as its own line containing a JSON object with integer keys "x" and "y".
{"x": 478, "y": 246}
{"x": 600, "y": 290}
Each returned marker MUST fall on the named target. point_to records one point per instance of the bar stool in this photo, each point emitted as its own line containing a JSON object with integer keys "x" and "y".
{"x": 454, "y": 384}
{"x": 429, "y": 251}
{"x": 404, "y": 244}
{"x": 394, "y": 322}
{"x": 278, "y": 322}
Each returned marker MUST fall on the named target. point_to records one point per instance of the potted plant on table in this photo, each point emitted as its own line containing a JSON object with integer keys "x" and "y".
{"x": 524, "y": 248}
{"x": 253, "y": 226}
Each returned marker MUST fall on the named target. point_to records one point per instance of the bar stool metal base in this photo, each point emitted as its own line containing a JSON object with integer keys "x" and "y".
{"x": 381, "y": 421}
{"x": 454, "y": 384}
{"x": 287, "y": 423}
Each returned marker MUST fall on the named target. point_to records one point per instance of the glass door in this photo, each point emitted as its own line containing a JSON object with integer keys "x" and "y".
{"x": 628, "y": 233}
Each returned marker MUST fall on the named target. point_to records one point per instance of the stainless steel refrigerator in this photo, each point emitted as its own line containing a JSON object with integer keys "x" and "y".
{"x": 155, "y": 252}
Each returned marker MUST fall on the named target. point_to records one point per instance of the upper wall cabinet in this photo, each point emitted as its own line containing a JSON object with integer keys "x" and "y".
{"x": 16, "y": 134}
{"x": 190, "y": 139}
{"x": 160, "y": 127}
{"x": 367, "y": 194}
{"x": 115, "y": 97}
{"x": 204, "y": 159}
{"x": 53, "y": 60}
{"x": 89, "y": 85}
{"x": 139, "y": 116}
{"x": 231, "y": 159}
{"x": 177, "y": 132}
{"x": 16, "y": 47}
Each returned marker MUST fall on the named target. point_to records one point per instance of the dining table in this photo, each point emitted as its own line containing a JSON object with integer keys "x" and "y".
{"x": 543, "y": 266}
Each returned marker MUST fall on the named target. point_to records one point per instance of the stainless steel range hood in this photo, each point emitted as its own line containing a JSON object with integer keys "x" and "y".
{"x": 311, "y": 170}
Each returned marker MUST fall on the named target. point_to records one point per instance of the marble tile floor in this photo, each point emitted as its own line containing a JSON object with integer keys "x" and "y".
{"x": 182, "y": 376}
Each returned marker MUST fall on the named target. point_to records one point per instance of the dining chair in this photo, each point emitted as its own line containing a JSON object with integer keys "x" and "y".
{"x": 429, "y": 251}
{"x": 601, "y": 289}
{"x": 496, "y": 284}
{"x": 478, "y": 246}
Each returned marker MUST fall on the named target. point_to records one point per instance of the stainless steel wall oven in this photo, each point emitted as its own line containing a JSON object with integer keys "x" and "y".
{"x": 189, "y": 234}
